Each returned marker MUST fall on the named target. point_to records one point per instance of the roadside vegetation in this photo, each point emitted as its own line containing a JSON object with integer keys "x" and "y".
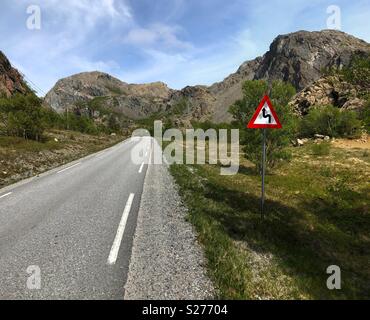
{"x": 34, "y": 138}
{"x": 25, "y": 116}
{"x": 20, "y": 158}
{"x": 332, "y": 122}
{"x": 317, "y": 209}
{"x": 317, "y": 215}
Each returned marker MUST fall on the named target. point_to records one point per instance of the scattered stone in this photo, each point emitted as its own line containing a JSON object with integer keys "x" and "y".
{"x": 319, "y": 136}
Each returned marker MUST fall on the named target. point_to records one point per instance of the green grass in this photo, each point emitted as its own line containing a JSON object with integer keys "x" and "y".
{"x": 321, "y": 149}
{"x": 23, "y": 145}
{"x": 317, "y": 216}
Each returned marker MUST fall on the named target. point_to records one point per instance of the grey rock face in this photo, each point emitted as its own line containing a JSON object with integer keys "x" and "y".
{"x": 330, "y": 90}
{"x": 135, "y": 101}
{"x": 299, "y": 57}
{"x": 11, "y": 81}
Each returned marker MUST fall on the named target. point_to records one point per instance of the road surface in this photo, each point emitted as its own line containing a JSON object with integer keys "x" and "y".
{"x": 75, "y": 225}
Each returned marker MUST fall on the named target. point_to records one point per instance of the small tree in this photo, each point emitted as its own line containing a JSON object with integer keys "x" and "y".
{"x": 365, "y": 115}
{"x": 277, "y": 140}
{"x": 113, "y": 123}
{"x": 358, "y": 72}
{"x": 23, "y": 116}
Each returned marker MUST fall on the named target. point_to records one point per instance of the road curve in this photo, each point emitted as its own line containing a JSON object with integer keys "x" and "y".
{"x": 75, "y": 224}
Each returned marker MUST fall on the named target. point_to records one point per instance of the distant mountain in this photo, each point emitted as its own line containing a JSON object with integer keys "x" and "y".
{"x": 11, "y": 81}
{"x": 298, "y": 58}
{"x": 133, "y": 100}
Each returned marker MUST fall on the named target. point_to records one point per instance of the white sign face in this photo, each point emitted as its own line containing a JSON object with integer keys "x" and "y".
{"x": 265, "y": 116}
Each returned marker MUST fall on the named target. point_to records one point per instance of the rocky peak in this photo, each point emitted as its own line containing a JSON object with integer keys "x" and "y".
{"x": 89, "y": 85}
{"x": 299, "y": 57}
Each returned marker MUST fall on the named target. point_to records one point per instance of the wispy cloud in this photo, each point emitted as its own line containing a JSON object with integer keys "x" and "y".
{"x": 157, "y": 35}
{"x": 181, "y": 42}
{"x": 198, "y": 65}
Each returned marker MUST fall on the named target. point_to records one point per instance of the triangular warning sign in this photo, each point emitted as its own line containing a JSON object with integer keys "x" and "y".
{"x": 265, "y": 116}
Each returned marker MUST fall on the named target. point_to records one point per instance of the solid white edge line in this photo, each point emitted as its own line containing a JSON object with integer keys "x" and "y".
{"x": 150, "y": 157}
{"x": 120, "y": 231}
{"x": 6, "y": 194}
{"x": 141, "y": 167}
{"x": 69, "y": 167}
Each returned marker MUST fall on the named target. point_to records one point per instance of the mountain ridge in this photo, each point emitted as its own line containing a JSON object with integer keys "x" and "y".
{"x": 297, "y": 57}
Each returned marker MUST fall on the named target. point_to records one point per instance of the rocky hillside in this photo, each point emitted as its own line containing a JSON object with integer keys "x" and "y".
{"x": 133, "y": 100}
{"x": 330, "y": 90}
{"x": 11, "y": 81}
{"x": 298, "y": 58}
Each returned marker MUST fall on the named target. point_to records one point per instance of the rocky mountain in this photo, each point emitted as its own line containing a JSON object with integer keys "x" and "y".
{"x": 298, "y": 58}
{"x": 11, "y": 81}
{"x": 133, "y": 100}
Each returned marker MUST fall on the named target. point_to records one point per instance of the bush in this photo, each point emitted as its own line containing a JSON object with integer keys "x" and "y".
{"x": 365, "y": 116}
{"x": 277, "y": 140}
{"x": 180, "y": 107}
{"x": 23, "y": 116}
{"x": 321, "y": 149}
{"x": 358, "y": 72}
{"x": 331, "y": 121}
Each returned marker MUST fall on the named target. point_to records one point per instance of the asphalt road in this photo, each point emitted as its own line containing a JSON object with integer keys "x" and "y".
{"x": 75, "y": 224}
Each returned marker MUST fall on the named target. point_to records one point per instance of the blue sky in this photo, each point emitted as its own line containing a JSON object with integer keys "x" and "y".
{"x": 180, "y": 42}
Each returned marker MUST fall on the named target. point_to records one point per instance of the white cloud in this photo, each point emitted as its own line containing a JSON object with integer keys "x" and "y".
{"x": 157, "y": 35}
{"x": 163, "y": 40}
{"x": 204, "y": 65}
{"x": 60, "y": 48}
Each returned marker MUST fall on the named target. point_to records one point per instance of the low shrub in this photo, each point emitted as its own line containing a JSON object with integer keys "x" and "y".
{"x": 331, "y": 121}
{"x": 321, "y": 149}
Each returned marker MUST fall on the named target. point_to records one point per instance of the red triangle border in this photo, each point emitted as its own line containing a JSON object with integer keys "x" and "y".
{"x": 252, "y": 125}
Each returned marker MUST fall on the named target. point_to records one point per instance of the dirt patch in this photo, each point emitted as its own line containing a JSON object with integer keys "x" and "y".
{"x": 363, "y": 143}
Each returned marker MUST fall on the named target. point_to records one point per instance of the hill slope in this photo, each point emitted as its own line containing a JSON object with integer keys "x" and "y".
{"x": 11, "y": 81}
{"x": 133, "y": 100}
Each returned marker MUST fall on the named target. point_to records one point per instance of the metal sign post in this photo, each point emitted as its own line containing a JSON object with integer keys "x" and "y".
{"x": 264, "y": 118}
{"x": 263, "y": 174}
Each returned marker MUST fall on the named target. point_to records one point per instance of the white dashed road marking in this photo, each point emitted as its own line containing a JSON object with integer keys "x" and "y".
{"x": 5, "y": 195}
{"x": 121, "y": 229}
{"x": 141, "y": 167}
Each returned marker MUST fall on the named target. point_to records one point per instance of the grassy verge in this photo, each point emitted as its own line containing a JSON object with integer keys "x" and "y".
{"x": 317, "y": 216}
{"x": 21, "y": 159}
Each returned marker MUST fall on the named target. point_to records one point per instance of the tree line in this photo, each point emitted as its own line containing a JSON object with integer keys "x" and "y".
{"x": 26, "y": 116}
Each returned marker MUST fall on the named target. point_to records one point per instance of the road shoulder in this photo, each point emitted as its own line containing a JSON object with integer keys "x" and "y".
{"x": 166, "y": 262}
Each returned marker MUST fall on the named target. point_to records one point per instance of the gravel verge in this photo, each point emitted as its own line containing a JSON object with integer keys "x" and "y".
{"x": 167, "y": 263}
